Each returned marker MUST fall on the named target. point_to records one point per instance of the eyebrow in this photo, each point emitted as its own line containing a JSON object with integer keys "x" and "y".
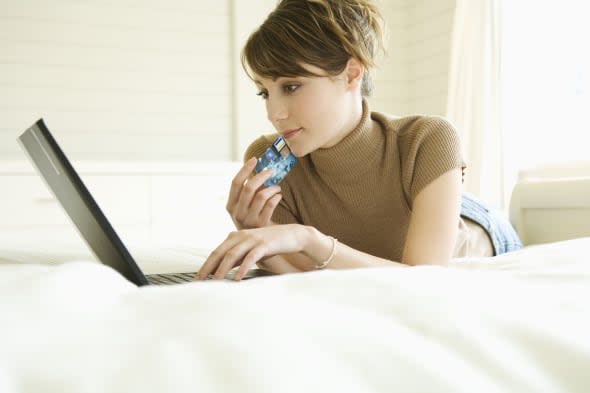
{"x": 259, "y": 84}
{"x": 274, "y": 79}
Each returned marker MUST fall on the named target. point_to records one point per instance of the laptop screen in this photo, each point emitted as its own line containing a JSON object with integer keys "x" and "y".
{"x": 60, "y": 176}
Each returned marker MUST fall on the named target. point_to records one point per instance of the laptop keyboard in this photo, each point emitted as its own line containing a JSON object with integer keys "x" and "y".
{"x": 171, "y": 278}
{"x": 178, "y": 278}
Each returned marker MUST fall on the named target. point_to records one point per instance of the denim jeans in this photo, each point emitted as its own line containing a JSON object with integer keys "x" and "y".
{"x": 504, "y": 237}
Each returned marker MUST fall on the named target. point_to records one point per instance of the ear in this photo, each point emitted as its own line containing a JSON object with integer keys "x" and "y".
{"x": 354, "y": 73}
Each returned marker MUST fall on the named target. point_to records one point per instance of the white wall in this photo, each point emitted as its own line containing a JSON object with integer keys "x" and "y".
{"x": 390, "y": 78}
{"x": 153, "y": 80}
{"x": 117, "y": 79}
{"x": 414, "y": 76}
{"x": 428, "y": 47}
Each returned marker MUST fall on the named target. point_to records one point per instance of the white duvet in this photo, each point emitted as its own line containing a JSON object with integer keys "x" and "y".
{"x": 516, "y": 323}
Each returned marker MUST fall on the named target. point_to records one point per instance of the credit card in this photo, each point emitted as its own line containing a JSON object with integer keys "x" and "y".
{"x": 279, "y": 159}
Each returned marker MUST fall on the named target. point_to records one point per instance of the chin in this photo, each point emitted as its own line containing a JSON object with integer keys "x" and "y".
{"x": 299, "y": 147}
{"x": 298, "y": 152}
{"x": 295, "y": 150}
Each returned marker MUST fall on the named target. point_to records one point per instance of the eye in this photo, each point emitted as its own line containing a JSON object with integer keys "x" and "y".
{"x": 263, "y": 94}
{"x": 290, "y": 88}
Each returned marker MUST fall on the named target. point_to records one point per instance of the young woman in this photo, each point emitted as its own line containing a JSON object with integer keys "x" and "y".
{"x": 369, "y": 189}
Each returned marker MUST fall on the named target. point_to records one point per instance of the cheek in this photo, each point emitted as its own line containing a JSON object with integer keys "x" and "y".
{"x": 305, "y": 107}
{"x": 316, "y": 109}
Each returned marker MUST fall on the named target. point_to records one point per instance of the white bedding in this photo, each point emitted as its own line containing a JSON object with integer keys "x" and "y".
{"x": 515, "y": 323}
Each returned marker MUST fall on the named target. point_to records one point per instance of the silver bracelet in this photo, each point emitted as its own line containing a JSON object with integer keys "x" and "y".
{"x": 323, "y": 264}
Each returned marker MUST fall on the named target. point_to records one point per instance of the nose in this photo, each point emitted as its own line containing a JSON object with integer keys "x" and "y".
{"x": 276, "y": 109}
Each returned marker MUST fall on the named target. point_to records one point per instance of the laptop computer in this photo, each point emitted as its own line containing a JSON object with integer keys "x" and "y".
{"x": 67, "y": 187}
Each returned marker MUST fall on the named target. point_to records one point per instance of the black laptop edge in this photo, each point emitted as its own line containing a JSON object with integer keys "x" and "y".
{"x": 29, "y": 140}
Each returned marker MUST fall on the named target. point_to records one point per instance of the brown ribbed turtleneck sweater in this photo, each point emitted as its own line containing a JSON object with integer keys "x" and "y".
{"x": 361, "y": 190}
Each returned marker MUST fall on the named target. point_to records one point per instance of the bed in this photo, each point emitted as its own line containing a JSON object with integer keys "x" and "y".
{"x": 515, "y": 323}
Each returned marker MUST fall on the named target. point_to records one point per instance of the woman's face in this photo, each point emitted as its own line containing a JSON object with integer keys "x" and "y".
{"x": 311, "y": 112}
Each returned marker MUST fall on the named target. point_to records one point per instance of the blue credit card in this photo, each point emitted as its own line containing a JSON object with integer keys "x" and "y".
{"x": 279, "y": 159}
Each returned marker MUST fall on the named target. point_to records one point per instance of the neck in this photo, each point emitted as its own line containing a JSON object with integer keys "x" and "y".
{"x": 354, "y": 118}
{"x": 355, "y": 152}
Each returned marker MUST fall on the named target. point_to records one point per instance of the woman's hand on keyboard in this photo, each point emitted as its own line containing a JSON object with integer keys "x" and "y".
{"x": 248, "y": 246}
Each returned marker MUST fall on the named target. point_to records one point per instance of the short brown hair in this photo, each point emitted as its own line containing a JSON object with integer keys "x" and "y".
{"x": 323, "y": 33}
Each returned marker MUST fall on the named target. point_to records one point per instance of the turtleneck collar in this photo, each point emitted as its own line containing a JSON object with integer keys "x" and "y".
{"x": 355, "y": 153}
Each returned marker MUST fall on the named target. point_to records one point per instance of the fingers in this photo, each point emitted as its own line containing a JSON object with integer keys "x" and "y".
{"x": 212, "y": 261}
{"x": 248, "y": 191}
{"x": 228, "y": 255}
{"x": 238, "y": 182}
{"x": 269, "y": 207}
{"x": 252, "y": 200}
{"x": 262, "y": 202}
{"x": 255, "y": 255}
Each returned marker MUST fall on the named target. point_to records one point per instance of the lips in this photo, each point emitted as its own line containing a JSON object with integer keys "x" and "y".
{"x": 288, "y": 134}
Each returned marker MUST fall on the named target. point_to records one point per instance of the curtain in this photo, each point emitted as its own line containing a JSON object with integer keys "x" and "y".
{"x": 474, "y": 97}
{"x": 519, "y": 90}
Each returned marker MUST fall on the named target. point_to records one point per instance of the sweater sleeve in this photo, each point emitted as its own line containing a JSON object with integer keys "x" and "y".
{"x": 429, "y": 147}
